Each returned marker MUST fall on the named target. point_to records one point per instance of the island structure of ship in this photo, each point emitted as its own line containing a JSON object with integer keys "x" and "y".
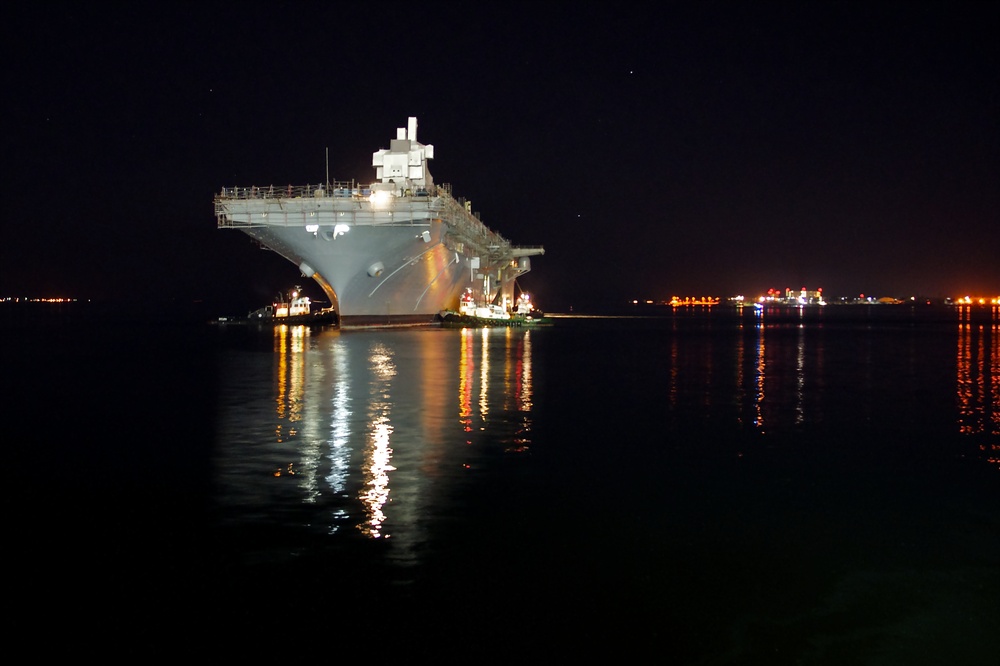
{"x": 397, "y": 252}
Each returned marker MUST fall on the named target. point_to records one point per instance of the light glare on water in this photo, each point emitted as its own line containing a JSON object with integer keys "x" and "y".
{"x": 630, "y": 469}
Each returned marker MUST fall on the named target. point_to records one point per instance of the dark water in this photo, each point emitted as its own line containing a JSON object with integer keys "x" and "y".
{"x": 806, "y": 487}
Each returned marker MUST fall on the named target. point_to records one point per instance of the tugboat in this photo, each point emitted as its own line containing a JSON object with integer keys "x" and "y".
{"x": 291, "y": 309}
{"x": 472, "y": 315}
{"x": 525, "y": 308}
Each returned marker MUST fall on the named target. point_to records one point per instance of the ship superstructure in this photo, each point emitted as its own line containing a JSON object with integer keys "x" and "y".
{"x": 394, "y": 252}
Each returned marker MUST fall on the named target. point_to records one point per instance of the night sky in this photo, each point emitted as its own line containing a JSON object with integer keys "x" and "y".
{"x": 703, "y": 148}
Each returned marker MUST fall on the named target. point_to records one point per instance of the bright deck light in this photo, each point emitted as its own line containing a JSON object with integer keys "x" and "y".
{"x": 379, "y": 198}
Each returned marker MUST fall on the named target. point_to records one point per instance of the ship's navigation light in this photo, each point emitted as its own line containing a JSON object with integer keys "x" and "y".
{"x": 340, "y": 230}
{"x": 312, "y": 228}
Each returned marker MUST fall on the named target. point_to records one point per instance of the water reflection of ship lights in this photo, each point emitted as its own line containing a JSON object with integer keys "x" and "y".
{"x": 978, "y": 366}
{"x": 359, "y": 426}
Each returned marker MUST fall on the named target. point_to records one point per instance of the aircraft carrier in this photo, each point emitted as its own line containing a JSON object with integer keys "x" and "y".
{"x": 396, "y": 252}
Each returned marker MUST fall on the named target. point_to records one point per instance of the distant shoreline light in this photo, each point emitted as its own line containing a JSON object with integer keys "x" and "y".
{"x": 805, "y": 297}
{"x": 26, "y": 299}
{"x": 978, "y": 300}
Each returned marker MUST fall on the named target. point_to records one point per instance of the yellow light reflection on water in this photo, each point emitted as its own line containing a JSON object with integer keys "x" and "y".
{"x": 978, "y": 375}
{"x": 507, "y": 382}
{"x": 290, "y": 344}
{"x": 484, "y": 377}
{"x": 522, "y": 390}
{"x": 289, "y": 380}
{"x": 466, "y": 366}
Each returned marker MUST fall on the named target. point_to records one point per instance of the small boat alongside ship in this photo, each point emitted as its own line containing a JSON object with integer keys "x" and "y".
{"x": 293, "y": 309}
{"x": 473, "y": 315}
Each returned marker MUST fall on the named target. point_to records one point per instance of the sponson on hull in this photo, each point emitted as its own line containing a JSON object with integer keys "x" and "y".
{"x": 395, "y": 252}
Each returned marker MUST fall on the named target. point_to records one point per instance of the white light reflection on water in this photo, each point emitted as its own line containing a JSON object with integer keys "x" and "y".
{"x": 362, "y": 429}
{"x": 800, "y": 374}
{"x": 785, "y": 381}
{"x": 750, "y": 380}
{"x": 378, "y": 449}
{"x": 340, "y": 414}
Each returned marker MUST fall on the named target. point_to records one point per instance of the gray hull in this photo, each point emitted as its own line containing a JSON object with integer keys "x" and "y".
{"x": 397, "y": 266}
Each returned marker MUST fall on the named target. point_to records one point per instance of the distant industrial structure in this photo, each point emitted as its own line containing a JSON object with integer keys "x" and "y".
{"x": 801, "y": 296}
